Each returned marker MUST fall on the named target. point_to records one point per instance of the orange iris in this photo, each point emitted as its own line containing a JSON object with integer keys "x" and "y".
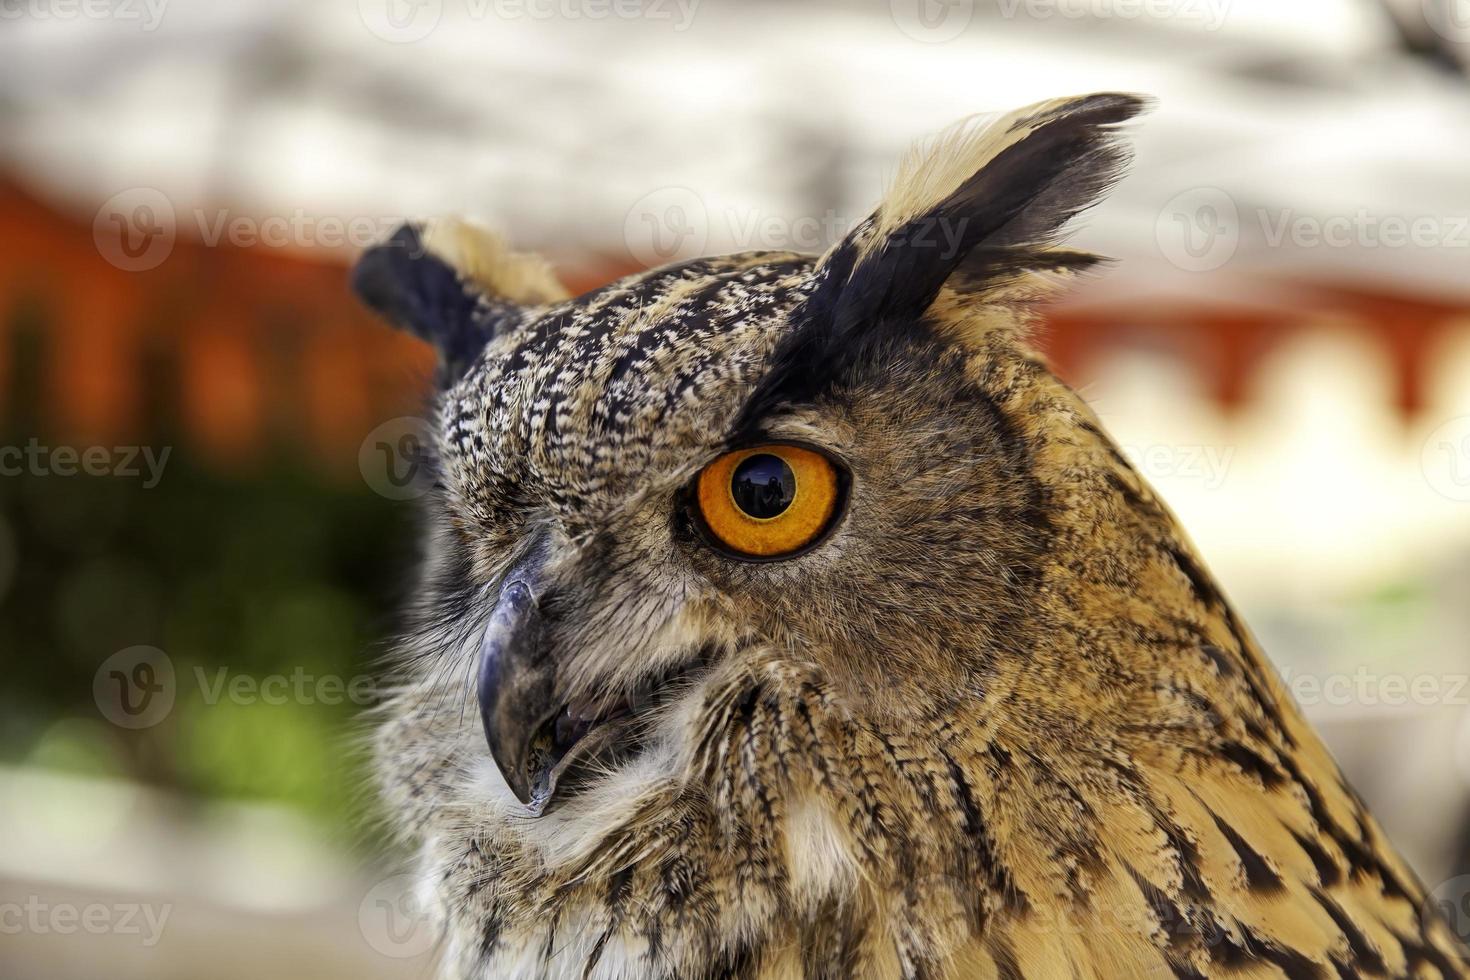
{"x": 768, "y": 501}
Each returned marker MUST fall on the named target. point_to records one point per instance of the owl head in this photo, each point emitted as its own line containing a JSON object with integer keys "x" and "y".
{"x": 736, "y": 567}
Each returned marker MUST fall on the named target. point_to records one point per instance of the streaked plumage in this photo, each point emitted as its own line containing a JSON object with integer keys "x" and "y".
{"x": 1000, "y": 722}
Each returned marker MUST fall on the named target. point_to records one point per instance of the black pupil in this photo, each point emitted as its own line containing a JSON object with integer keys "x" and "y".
{"x": 763, "y": 486}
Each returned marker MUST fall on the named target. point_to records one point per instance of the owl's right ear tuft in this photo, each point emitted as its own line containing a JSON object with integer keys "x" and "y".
{"x": 454, "y": 284}
{"x": 980, "y": 205}
{"x": 971, "y": 218}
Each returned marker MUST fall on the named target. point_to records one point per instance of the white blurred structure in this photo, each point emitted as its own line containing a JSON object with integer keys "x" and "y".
{"x": 559, "y": 118}
{"x": 102, "y": 877}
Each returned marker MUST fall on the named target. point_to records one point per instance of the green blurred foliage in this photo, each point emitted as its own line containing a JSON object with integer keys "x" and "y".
{"x": 280, "y": 572}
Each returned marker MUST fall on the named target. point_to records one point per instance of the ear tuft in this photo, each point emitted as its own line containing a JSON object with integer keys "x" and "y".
{"x": 482, "y": 257}
{"x": 962, "y": 168}
{"x": 454, "y": 284}
{"x": 978, "y": 212}
{"x": 989, "y": 198}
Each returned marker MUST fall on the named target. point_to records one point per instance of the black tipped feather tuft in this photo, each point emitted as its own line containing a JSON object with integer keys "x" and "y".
{"x": 1000, "y": 222}
{"x": 415, "y": 290}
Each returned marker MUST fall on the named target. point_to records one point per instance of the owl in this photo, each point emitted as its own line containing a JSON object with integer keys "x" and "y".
{"x": 784, "y": 616}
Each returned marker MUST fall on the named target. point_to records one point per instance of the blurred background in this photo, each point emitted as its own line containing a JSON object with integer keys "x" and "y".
{"x": 206, "y": 450}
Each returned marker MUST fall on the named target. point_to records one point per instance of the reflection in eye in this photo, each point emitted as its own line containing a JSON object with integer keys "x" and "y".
{"x": 763, "y": 486}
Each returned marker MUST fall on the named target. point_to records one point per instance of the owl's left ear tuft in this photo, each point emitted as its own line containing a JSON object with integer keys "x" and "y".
{"x": 454, "y": 284}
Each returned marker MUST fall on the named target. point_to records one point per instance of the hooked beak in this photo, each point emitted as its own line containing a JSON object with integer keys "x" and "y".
{"x": 517, "y": 689}
{"x": 535, "y": 735}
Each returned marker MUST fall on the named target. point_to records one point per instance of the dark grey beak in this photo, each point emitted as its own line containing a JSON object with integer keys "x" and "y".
{"x": 517, "y": 689}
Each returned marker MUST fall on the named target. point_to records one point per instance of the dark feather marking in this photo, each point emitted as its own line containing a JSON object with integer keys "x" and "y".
{"x": 774, "y": 710}
{"x": 1293, "y": 964}
{"x": 1111, "y": 447}
{"x": 1253, "y": 764}
{"x": 653, "y": 337}
{"x": 986, "y": 268}
{"x": 1207, "y": 592}
{"x": 869, "y": 795}
{"x": 1200, "y": 582}
{"x": 1005, "y": 959}
{"x": 817, "y": 755}
{"x": 1170, "y": 917}
{"x": 740, "y": 963}
{"x": 905, "y": 855}
{"x": 833, "y": 952}
{"x": 1364, "y": 954}
{"x": 1419, "y": 952}
{"x": 618, "y": 890}
{"x": 1192, "y": 882}
{"x": 617, "y": 894}
{"x": 1328, "y": 872}
{"x": 1360, "y": 857}
{"x": 1268, "y": 704}
{"x": 594, "y": 957}
{"x": 550, "y": 950}
{"x": 749, "y": 723}
{"x": 974, "y": 826}
{"x": 1260, "y": 877}
{"x": 1231, "y": 954}
{"x": 536, "y": 337}
{"x": 1124, "y": 489}
{"x": 1082, "y": 850}
{"x": 490, "y": 936}
{"x": 1220, "y": 659}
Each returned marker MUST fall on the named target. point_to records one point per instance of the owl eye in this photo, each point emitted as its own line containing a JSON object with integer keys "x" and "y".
{"x": 769, "y": 501}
